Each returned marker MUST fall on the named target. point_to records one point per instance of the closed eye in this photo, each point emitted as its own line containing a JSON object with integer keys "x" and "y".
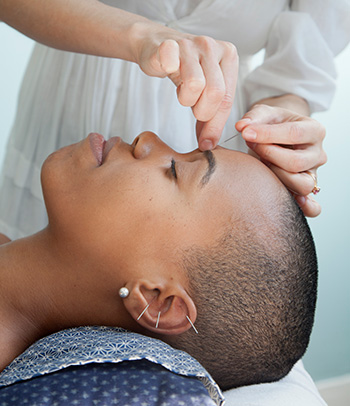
{"x": 173, "y": 169}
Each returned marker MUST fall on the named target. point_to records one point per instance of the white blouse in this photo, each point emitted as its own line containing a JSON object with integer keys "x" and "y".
{"x": 65, "y": 96}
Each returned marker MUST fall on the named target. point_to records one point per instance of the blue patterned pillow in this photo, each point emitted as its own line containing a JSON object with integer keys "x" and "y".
{"x": 135, "y": 383}
{"x": 86, "y": 345}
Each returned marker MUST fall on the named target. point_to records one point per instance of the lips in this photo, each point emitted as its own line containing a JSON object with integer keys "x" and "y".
{"x": 100, "y": 148}
{"x": 97, "y": 143}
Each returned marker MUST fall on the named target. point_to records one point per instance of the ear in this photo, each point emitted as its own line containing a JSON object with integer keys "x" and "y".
{"x": 160, "y": 307}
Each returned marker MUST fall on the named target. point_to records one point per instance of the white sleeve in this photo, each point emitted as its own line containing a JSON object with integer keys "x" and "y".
{"x": 332, "y": 18}
{"x": 297, "y": 388}
{"x": 300, "y": 52}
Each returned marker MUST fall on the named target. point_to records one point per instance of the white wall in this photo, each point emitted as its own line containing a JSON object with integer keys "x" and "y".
{"x": 15, "y": 50}
{"x": 329, "y": 352}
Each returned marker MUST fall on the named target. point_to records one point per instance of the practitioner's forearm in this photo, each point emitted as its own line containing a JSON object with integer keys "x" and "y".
{"x": 84, "y": 26}
{"x": 203, "y": 69}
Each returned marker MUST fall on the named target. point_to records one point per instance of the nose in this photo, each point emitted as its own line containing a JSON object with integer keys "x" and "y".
{"x": 149, "y": 144}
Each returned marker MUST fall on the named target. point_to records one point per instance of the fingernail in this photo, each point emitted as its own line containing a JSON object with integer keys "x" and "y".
{"x": 205, "y": 145}
{"x": 242, "y": 123}
{"x": 249, "y": 135}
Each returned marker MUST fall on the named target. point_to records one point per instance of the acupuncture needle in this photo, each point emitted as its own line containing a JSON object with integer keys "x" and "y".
{"x": 230, "y": 138}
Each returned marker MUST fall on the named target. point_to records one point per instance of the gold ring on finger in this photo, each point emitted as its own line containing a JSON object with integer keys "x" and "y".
{"x": 316, "y": 189}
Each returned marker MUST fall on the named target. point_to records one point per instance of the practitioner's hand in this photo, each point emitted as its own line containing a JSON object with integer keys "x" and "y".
{"x": 290, "y": 144}
{"x": 203, "y": 70}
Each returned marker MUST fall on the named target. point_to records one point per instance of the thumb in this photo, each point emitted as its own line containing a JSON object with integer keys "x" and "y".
{"x": 168, "y": 56}
{"x": 208, "y": 135}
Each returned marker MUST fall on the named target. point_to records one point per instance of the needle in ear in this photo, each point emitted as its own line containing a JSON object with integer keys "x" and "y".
{"x": 143, "y": 311}
{"x": 158, "y": 319}
{"x": 194, "y": 328}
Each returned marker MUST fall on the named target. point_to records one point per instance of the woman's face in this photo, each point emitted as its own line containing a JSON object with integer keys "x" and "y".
{"x": 144, "y": 202}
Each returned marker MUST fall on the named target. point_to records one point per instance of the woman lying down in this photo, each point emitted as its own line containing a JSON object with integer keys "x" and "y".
{"x": 207, "y": 252}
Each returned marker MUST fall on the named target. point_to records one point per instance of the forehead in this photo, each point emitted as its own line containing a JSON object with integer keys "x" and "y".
{"x": 247, "y": 181}
{"x": 237, "y": 167}
{"x": 231, "y": 158}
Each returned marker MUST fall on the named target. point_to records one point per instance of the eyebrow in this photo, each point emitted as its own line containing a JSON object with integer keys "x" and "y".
{"x": 211, "y": 167}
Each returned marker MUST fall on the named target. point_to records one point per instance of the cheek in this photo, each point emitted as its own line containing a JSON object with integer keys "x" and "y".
{"x": 124, "y": 230}
{"x": 134, "y": 187}
{"x": 112, "y": 207}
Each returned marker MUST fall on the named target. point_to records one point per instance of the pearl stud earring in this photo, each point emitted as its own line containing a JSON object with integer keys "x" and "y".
{"x": 124, "y": 292}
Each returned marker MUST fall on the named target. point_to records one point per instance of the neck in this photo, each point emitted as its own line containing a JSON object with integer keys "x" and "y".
{"x": 45, "y": 288}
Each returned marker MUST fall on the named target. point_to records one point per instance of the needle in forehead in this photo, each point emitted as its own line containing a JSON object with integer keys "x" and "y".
{"x": 211, "y": 167}
{"x": 230, "y": 138}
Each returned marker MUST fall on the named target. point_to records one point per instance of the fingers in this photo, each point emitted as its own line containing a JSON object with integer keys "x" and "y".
{"x": 220, "y": 68}
{"x": 262, "y": 114}
{"x": 213, "y": 93}
{"x": 283, "y": 138}
{"x": 206, "y": 81}
{"x": 211, "y": 130}
{"x": 205, "y": 73}
{"x": 204, "y": 69}
{"x": 209, "y": 133}
{"x": 265, "y": 114}
{"x": 301, "y": 185}
{"x": 290, "y": 145}
{"x": 191, "y": 80}
{"x": 303, "y": 132}
{"x": 291, "y": 160}
{"x": 273, "y": 125}
{"x": 309, "y": 206}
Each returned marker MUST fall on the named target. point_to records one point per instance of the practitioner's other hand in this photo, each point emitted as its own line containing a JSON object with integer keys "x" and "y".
{"x": 291, "y": 145}
{"x": 203, "y": 70}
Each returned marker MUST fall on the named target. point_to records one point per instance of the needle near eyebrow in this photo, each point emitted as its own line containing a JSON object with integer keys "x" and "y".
{"x": 233, "y": 136}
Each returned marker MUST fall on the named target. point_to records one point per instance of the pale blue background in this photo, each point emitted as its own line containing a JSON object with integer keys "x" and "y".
{"x": 329, "y": 352}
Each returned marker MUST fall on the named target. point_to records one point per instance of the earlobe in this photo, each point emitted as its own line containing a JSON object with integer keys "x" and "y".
{"x": 161, "y": 308}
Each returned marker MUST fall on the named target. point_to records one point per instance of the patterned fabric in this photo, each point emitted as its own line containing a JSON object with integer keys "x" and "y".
{"x": 137, "y": 383}
{"x": 84, "y": 345}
